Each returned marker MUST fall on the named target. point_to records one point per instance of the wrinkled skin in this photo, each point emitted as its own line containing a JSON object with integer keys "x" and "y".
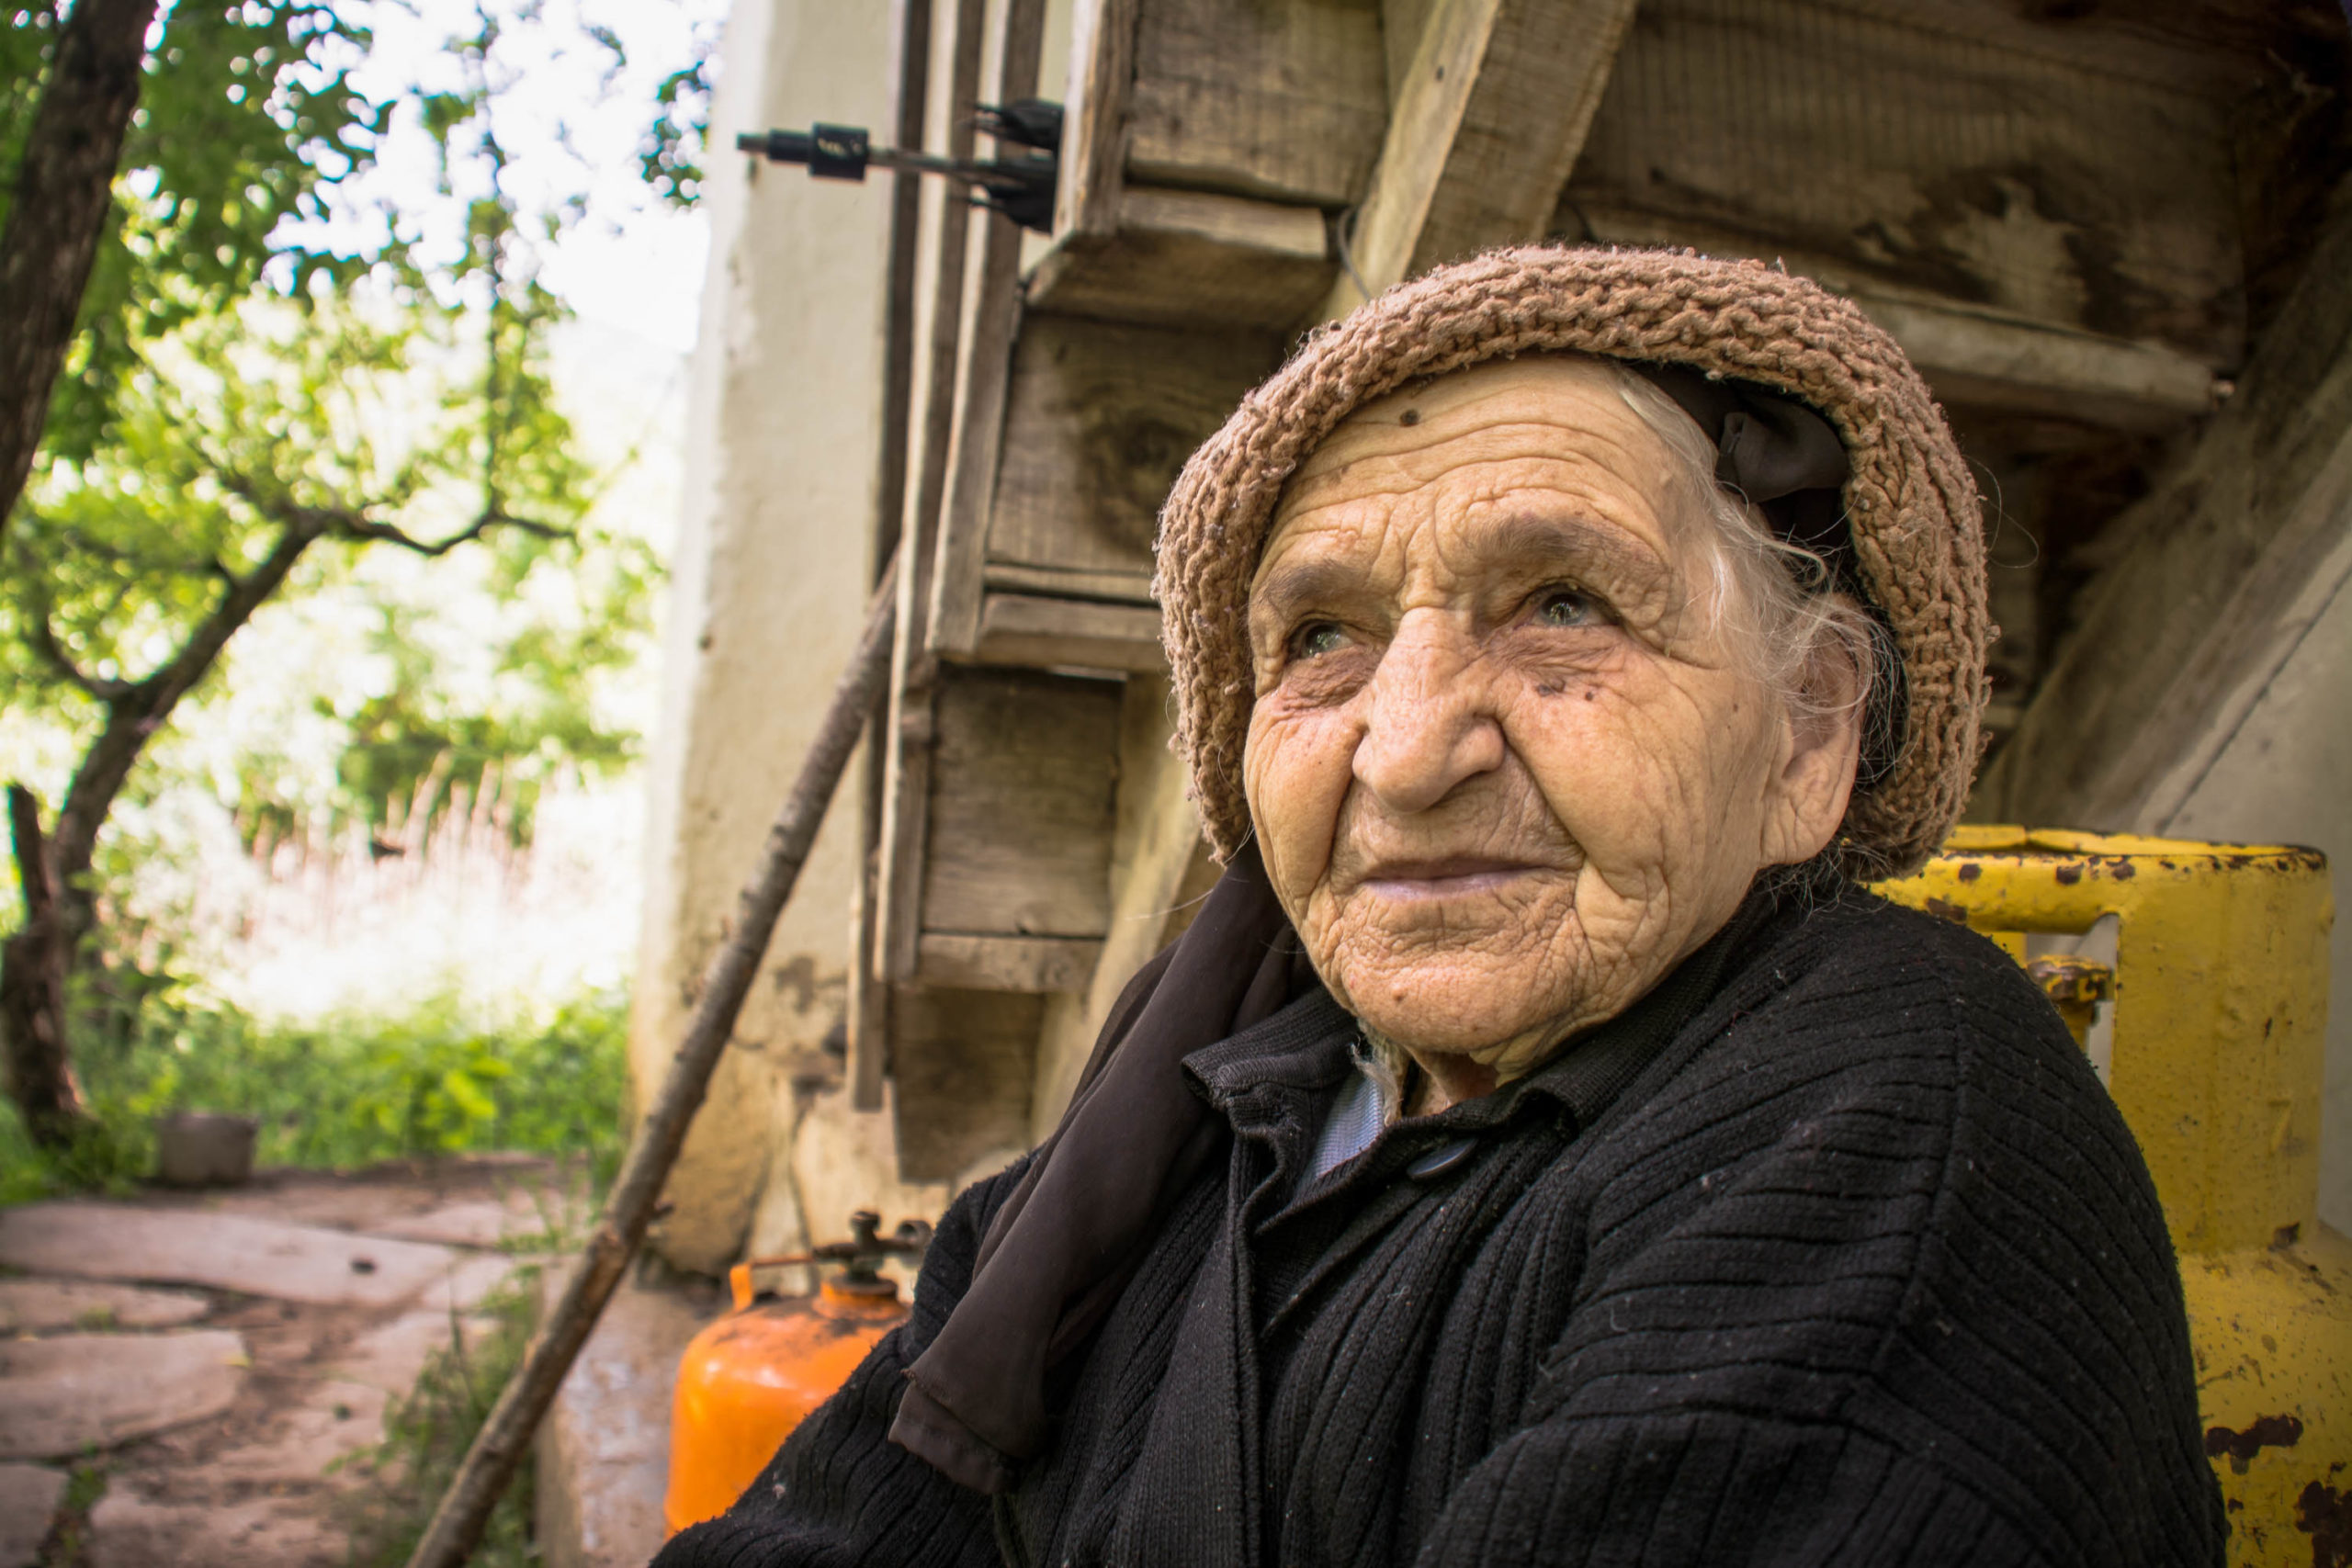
{"x": 1505, "y": 771}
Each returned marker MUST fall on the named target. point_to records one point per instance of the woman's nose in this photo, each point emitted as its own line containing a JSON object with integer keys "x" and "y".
{"x": 1431, "y": 723}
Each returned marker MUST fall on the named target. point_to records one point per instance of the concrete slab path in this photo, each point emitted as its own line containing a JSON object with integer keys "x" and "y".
{"x": 62, "y": 1396}
{"x": 28, "y": 1496}
{"x": 38, "y": 1306}
{"x": 214, "y": 1416}
{"x": 223, "y": 1252}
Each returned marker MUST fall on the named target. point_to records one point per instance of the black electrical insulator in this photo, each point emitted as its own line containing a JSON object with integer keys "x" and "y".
{"x": 832, "y": 151}
{"x": 1024, "y": 122}
{"x": 1021, "y": 186}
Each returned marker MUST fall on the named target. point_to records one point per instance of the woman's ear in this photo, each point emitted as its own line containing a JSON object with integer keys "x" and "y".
{"x": 1823, "y": 749}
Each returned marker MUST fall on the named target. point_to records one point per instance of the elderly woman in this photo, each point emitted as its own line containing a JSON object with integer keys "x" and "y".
{"x": 1540, "y": 1150}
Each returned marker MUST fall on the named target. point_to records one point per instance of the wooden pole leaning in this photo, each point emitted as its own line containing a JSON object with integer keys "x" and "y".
{"x": 505, "y": 1437}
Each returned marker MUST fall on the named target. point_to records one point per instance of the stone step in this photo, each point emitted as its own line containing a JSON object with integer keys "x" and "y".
{"x": 40, "y": 1306}
{"x": 224, "y": 1252}
{"x": 73, "y": 1392}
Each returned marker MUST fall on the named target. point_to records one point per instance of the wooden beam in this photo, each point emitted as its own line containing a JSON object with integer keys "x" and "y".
{"x": 954, "y": 618}
{"x": 1024, "y": 786}
{"x": 1184, "y": 258}
{"x": 958, "y": 960}
{"x": 1978, "y": 358}
{"x": 963, "y": 1069}
{"x": 1033, "y": 630}
{"x": 1099, "y": 418}
{"x": 1914, "y": 153}
{"x": 886, "y": 928}
{"x": 1094, "y": 117}
{"x": 867, "y": 1008}
{"x": 2205, "y": 575}
{"x": 1482, "y": 133}
{"x": 1277, "y": 99}
{"x": 1155, "y": 851}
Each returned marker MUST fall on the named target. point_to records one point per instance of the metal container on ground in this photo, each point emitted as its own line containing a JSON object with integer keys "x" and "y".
{"x": 748, "y": 1379}
{"x": 204, "y": 1149}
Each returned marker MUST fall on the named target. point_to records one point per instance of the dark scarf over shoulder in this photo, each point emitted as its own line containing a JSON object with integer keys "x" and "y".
{"x": 1134, "y": 1135}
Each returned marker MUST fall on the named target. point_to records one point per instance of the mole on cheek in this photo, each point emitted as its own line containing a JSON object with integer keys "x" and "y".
{"x": 1591, "y": 693}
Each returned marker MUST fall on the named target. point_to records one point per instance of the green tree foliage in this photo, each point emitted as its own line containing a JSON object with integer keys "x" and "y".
{"x": 255, "y": 401}
{"x": 246, "y": 120}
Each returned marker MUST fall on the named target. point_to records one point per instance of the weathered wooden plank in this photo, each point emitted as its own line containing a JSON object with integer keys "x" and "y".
{"x": 1157, "y": 847}
{"x": 1285, "y": 100}
{"x": 867, "y": 1007}
{"x": 1984, "y": 359}
{"x": 955, "y": 620}
{"x": 906, "y": 782}
{"x": 1094, "y": 117}
{"x": 2203, "y": 578}
{"x": 962, "y": 1065}
{"x": 1023, "y": 788}
{"x": 1100, "y": 418}
{"x": 1034, "y": 630}
{"x": 1913, "y": 157}
{"x": 1191, "y": 258}
{"x": 960, "y": 960}
{"x": 1485, "y": 123}
{"x": 1978, "y": 357}
{"x": 1129, "y": 585}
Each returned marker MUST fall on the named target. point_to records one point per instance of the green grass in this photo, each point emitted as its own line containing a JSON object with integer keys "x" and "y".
{"x": 426, "y": 1434}
{"x": 347, "y": 1092}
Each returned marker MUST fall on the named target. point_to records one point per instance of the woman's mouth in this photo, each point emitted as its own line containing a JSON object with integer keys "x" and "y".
{"x": 1429, "y": 881}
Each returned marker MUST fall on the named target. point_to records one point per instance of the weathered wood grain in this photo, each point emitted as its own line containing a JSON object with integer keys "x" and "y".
{"x": 1022, "y": 787}
{"x": 1285, "y": 100}
{"x": 2203, "y": 576}
{"x": 1099, "y": 419}
{"x": 1032, "y": 629}
{"x": 958, "y": 960}
{"x": 897, "y": 877}
{"x": 1971, "y": 168}
{"x": 1484, "y": 124}
{"x": 1094, "y": 117}
{"x": 963, "y": 1068}
{"x": 954, "y": 618}
{"x": 1119, "y": 585}
{"x": 1157, "y": 846}
{"x": 1191, "y": 258}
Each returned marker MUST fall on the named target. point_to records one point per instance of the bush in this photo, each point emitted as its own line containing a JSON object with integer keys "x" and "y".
{"x": 342, "y": 1092}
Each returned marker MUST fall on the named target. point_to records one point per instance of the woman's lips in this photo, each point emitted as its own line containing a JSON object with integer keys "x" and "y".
{"x": 1429, "y": 881}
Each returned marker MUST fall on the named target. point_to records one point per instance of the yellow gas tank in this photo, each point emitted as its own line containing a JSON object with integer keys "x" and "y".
{"x": 748, "y": 1379}
{"x": 2215, "y": 981}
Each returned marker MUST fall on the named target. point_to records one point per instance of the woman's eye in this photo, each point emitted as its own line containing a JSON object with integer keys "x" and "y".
{"x": 1317, "y": 639}
{"x": 1568, "y": 607}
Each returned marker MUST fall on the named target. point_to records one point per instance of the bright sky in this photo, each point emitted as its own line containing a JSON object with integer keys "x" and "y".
{"x": 570, "y": 124}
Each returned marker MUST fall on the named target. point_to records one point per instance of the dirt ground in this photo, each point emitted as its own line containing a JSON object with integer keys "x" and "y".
{"x": 186, "y": 1378}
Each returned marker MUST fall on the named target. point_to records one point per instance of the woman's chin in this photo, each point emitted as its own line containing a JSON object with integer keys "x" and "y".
{"x": 1439, "y": 1013}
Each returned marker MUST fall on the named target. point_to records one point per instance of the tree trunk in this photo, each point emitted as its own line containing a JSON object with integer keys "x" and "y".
{"x": 59, "y": 906}
{"x": 32, "y": 991}
{"x": 65, "y": 189}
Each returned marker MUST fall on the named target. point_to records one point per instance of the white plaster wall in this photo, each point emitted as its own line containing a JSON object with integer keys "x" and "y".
{"x": 767, "y": 593}
{"x": 2283, "y": 773}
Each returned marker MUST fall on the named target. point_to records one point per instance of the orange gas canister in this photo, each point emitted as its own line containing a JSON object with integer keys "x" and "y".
{"x": 748, "y": 1379}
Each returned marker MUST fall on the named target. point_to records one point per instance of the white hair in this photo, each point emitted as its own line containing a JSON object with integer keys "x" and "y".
{"x": 1775, "y": 604}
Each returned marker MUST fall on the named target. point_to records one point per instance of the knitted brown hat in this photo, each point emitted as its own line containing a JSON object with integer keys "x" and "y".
{"x": 1910, "y": 502}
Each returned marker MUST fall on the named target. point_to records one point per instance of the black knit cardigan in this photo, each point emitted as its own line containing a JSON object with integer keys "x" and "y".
{"x": 1831, "y": 1251}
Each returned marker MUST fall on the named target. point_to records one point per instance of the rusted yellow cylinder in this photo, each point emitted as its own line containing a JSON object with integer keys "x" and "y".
{"x": 2218, "y": 993}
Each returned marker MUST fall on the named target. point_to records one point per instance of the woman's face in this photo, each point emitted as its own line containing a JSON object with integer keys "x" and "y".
{"x": 1504, "y": 771}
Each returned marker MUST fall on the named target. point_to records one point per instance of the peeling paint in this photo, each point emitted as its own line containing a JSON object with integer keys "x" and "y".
{"x": 2325, "y": 1515}
{"x": 2268, "y": 1432}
